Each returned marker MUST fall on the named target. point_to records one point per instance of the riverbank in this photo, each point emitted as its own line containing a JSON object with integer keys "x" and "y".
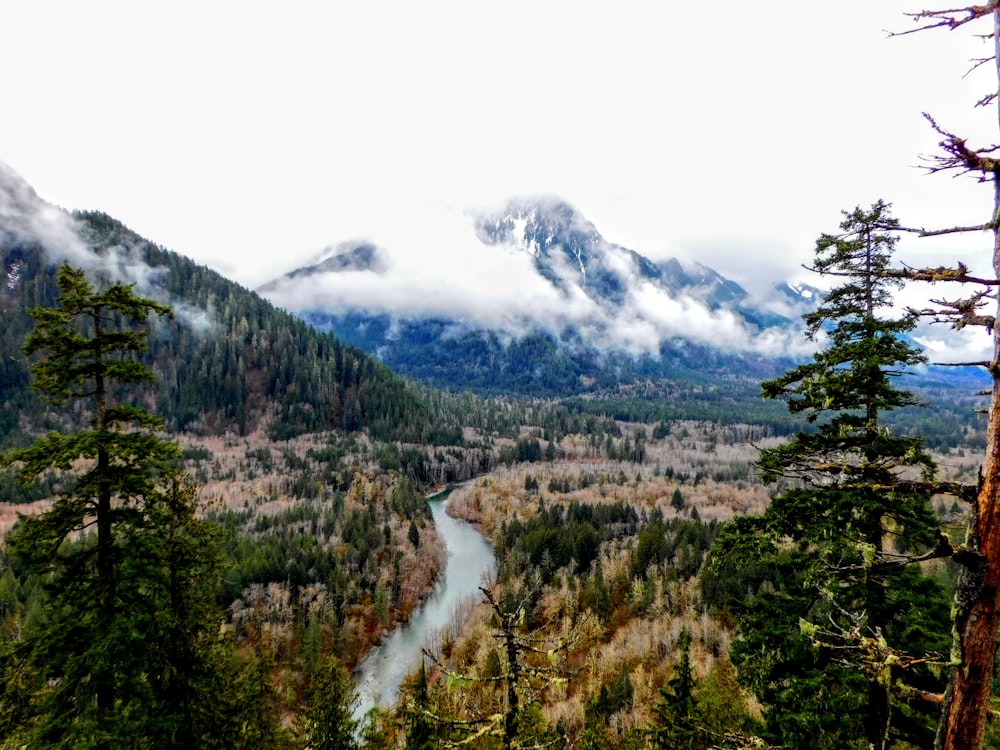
{"x": 469, "y": 558}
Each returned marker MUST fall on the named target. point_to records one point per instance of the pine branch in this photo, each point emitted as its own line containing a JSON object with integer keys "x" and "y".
{"x": 987, "y": 365}
{"x": 961, "y": 312}
{"x": 745, "y": 741}
{"x": 959, "y": 273}
{"x": 966, "y": 492}
{"x": 869, "y": 652}
{"x": 958, "y": 321}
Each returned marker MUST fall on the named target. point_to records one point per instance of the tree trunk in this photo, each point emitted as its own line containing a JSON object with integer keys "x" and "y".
{"x": 513, "y": 666}
{"x": 977, "y": 611}
{"x": 105, "y": 673}
{"x": 978, "y": 598}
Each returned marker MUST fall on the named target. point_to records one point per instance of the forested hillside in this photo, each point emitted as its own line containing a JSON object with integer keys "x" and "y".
{"x": 228, "y": 361}
{"x": 536, "y": 364}
{"x": 203, "y": 537}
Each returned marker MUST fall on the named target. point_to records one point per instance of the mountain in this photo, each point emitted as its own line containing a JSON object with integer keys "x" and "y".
{"x": 345, "y": 257}
{"x": 561, "y": 310}
{"x": 229, "y": 361}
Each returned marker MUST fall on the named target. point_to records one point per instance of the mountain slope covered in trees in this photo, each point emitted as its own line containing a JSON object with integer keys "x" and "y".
{"x": 566, "y": 311}
{"x": 228, "y": 361}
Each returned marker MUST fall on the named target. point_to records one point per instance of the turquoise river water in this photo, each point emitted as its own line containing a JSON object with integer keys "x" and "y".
{"x": 470, "y": 558}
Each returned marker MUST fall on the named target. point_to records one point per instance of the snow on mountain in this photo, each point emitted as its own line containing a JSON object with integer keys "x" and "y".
{"x": 801, "y": 292}
{"x": 346, "y": 257}
{"x": 537, "y": 265}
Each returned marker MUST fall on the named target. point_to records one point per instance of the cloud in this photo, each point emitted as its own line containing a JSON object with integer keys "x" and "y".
{"x": 753, "y": 264}
{"x": 26, "y": 218}
{"x": 942, "y": 345}
{"x": 436, "y": 267}
{"x": 497, "y": 286}
{"x": 723, "y": 328}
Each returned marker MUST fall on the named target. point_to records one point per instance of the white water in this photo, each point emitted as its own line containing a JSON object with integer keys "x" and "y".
{"x": 469, "y": 557}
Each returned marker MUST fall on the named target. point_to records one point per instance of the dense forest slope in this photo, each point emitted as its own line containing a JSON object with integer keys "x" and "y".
{"x": 229, "y": 361}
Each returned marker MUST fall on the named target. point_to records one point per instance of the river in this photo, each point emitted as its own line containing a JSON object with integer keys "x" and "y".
{"x": 469, "y": 556}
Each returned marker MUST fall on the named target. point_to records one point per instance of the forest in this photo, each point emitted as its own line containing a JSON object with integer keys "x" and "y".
{"x": 211, "y": 513}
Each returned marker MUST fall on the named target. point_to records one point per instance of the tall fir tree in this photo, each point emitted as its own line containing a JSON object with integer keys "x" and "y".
{"x": 858, "y": 511}
{"x": 124, "y": 565}
{"x": 677, "y": 721}
{"x": 327, "y": 723}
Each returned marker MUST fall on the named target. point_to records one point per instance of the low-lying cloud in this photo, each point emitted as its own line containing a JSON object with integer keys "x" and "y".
{"x": 437, "y": 267}
{"x": 26, "y": 218}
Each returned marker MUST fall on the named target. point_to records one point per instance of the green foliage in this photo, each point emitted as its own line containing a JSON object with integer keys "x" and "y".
{"x": 526, "y": 450}
{"x": 555, "y": 536}
{"x": 830, "y": 549}
{"x": 327, "y": 721}
{"x": 118, "y": 645}
{"x": 611, "y": 698}
{"x": 721, "y": 704}
{"x": 226, "y": 361}
{"x": 415, "y": 712}
{"x": 680, "y": 542}
{"x": 676, "y": 713}
{"x": 501, "y": 708}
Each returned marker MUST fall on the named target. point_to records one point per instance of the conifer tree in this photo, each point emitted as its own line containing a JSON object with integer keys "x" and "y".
{"x": 676, "y": 712}
{"x": 415, "y": 713}
{"x": 328, "y": 722}
{"x": 529, "y": 662}
{"x": 858, "y": 511}
{"x": 122, "y": 608}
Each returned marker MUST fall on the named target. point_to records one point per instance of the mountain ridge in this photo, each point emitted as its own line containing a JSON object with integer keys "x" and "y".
{"x": 603, "y": 310}
{"x": 229, "y": 361}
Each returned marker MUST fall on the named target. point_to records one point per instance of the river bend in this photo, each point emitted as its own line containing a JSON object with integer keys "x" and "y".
{"x": 470, "y": 556}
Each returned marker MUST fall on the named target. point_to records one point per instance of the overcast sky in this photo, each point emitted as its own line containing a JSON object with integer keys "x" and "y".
{"x": 250, "y": 136}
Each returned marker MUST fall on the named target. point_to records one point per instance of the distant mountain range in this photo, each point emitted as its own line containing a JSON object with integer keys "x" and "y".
{"x": 584, "y": 313}
{"x": 555, "y": 310}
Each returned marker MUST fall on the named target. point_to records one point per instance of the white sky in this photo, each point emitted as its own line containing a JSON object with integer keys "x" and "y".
{"x": 250, "y": 136}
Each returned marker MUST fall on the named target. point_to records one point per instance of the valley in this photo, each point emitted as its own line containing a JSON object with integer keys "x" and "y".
{"x": 644, "y": 593}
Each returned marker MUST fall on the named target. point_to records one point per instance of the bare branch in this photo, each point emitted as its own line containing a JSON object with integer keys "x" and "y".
{"x": 959, "y": 156}
{"x": 987, "y": 365}
{"x": 947, "y": 18}
{"x": 959, "y": 274}
{"x": 978, "y": 61}
{"x": 986, "y": 100}
{"x": 922, "y": 232}
{"x": 941, "y": 273}
{"x": 961, "y": 312}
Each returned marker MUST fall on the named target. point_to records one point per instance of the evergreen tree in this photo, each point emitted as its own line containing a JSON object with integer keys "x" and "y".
{"x": 126, "y": 618}
{"x": 839, "y": 539}
{"x": 677, "y": 500}
{"x": 169, "y": 582}
{"x": 415, "y": 712}
{"x": 327, "y": 721}
{"x": 677, "y": 710}
{"x": 525, "y": 667}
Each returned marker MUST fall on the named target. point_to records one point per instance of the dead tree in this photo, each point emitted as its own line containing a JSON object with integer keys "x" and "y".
{"x": 531, "y": 661}
{"x": 977, "y": 606}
